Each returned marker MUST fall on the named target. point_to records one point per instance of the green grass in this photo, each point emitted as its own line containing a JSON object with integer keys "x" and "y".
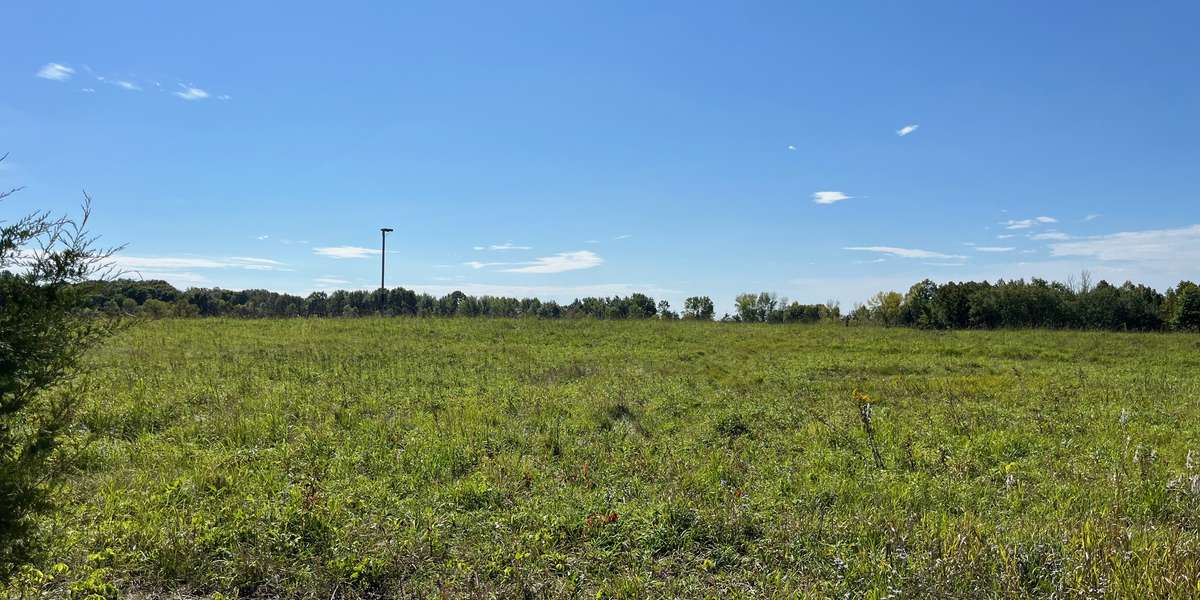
{"x": 400, "y": 457}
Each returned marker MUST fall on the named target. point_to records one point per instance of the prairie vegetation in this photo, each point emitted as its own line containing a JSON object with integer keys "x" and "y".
{"x": 373, "y": 457}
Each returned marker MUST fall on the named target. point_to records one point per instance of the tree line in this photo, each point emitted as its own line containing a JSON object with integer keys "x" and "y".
{"x": 955, "y": 305}
{"x": 155, "y": 298}
{"x": 1036, "y": 303}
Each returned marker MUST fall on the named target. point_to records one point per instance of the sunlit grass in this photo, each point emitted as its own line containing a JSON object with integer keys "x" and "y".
{"x": 568, "y": 458}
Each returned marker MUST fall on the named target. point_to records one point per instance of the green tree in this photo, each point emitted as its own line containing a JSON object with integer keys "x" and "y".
{"x": 755, "y": 308}
{"x": 1185, "y": 307}
{"x": 886, "y": 307}
{"x": 157, "y": 309}
{"x": 665, "y": 312}
{"x": 698, "y": 307}
{"x": 919, "y": 305}
{"x": 640, "y": 306}
{"x": 45, "y": 264}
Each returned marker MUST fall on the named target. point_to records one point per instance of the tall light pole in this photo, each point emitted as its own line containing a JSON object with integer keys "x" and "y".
{"x": 383, "y": 231}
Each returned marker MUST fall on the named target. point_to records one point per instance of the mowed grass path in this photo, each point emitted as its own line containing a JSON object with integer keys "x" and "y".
{"x": 404, "y": 457}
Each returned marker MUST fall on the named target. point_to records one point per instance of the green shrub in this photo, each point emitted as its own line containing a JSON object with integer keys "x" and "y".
{"x": 44, "y": 262}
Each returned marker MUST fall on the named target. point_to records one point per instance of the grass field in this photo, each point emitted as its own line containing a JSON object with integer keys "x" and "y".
{"x": 402, "y": 457}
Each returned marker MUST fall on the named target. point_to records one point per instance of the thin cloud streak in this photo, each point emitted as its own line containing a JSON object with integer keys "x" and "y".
{"x": 904, "y": 252}
{"x": 829, "y": 197}
{"x": 476, "y": 264}
{"x": 1050, "y": 235}
{"x": 329, "y": 282}
{"x": 551, "y": 292}
{"x": 1155, "y": 247}
{"x": 344, "y": 252}
{"x": 191, "y": 93}
{"x": 502, "y": 247}
{"x": 563, "y": 261}
{"x": 1027, "y": 223}
{"x": 55, "y": 72}
{"x": 161, "y": 263}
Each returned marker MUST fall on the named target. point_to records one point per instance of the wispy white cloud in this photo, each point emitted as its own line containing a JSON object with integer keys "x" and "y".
{"x": 55, "y": 72}
{"x": 160, "y": 263}
{"x": 591, "y": 241}
{"x": 791, "y": 146}
{"x": 345, "y": 252}
{"x": 121, "y": 83}
{"x": 1005, "y": 236}
{"x": 503, "y": 247}
{"x": 548, "y": 292}
{"x": 258, "y": 264}
{"x": 187, "y": 91}
{"x": 476, "y": 264}
{"x": 903, "y": 252}
{"x": 829, "y": 197}
{"x": 87, "y": 90}
{"x": 191, "y": 93}
{"x": 262, "y": 237}
{"x": 563, "y": 261}
{"x": 1050, "y": 235}
{"x": 1027, "y": 223}
{"x": 623, "y": 236}
{"x": 1157, "y": 247}
{"x": 1091, "y": 217}
{"x": 330, "y": 281}
{"x": 166, "y": 262}
{"x": 907, "y": 129}
{"x": 994, "y": 249}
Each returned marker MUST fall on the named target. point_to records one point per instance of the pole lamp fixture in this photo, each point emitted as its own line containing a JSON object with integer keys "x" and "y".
{"x": 383, "y": 231}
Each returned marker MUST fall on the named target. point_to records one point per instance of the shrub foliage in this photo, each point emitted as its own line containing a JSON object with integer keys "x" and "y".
{"x": 44, "y": 333}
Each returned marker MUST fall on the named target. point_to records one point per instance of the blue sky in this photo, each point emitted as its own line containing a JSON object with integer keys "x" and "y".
{"x": 561, "y": 151}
